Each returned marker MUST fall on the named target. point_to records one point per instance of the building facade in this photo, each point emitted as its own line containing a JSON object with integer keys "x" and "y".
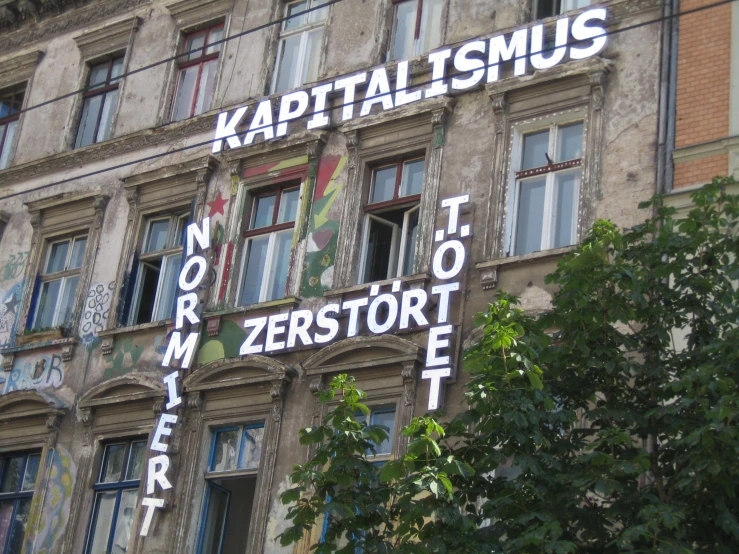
{"x": 210, "y": 207}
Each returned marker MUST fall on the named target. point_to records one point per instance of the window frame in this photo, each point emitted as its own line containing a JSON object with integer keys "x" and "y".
{"x": 371, "y": 211}
{"x": 184, "y": 64}
{"x": 177, "y": 217}
{"x": 516, "y": 176}
{"x": 13, "y": 91}
{"x": 302, "y": 30}
{"x": 63, "y": 276}
{"x": 250, "y": 233}
{"x": 564, "y": 6}
{"x": 119, "y": 486}
{"x": 419, "y": 32}
{"x": 111, "y": 84}
{"x": 20, "y": 494}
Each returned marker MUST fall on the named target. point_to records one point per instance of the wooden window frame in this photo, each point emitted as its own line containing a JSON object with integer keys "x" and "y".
{"x": 111, "y": 84}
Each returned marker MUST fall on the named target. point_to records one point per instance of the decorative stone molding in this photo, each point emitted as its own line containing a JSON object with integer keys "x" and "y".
{"x": 213, "y": 325}
{"x": 110, "y": 38}
{"x": 8, "y": 360}
{"x": 19, "y": 68}
{"x": 188, "y": 13}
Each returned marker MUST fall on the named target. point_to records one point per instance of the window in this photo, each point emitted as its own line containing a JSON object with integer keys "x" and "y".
{"x": 550, "y": 8}
{"x": 158, "y": 268}
{"x": 11, "y": 102}
{"x": 230, "y": 488}
{"x": 416, "y": 27}
{"x": 269, "y": 245}
{"x": 547, "y": 188}
{"x": 197, "y": 73}
{"x": 384, "y": 417}
{"x": 59, "y": 280}
{"x": 17, "y": 481}
{"x": 391, "y": 221}
{"x": 116, "y": 493}
{"x": 299, "y": 50}
{"x": 99, "y": 104}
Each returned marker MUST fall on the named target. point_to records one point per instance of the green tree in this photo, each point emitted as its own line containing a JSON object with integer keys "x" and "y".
{"x": 615, "y": 414}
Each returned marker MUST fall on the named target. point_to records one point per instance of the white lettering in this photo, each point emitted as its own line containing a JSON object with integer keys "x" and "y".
{"x": 158, "y": 467}
{"x": 402, "y": 96}
{"x": 538, "y": 61}
{"x": 248, "y": 346}
{"x": 408, "y": 310}
{"x": 185, "y": 308}
{"x": 320, "y": 119}
{"x": 151, "y": 505}
{"x": 328, "y": 323}
{"x": 349, "y": 84}
{"x": 178, "y": 349}
{"x": 353, "y": 307}
{"x": 228, "y": 130}
{"x": 582, "y": 32}
{"x": 443, "y": 292}
{"x": 463, "y": 64}
{"x": 435, "y": 376}
{"x": 194, "y": 233}
{"x": 262, "y": 123}
{"x": 438, "y": 72}
{"x": 378, "y": 91}
{"x": 435, "y": 344}
{"x": 459, "y": 258}
{"x": 162, "y": 430}
{"x": 300, "y": 322}
{"x": 195, "y": 281}
{"x": 174, "y": 397}
{"x": 500, "y": 51}
{"x": 273, "y": 330}
{"x": 392, "y": 313}
{"x": 453, "y": 204}
{"x": 300, "y": 98}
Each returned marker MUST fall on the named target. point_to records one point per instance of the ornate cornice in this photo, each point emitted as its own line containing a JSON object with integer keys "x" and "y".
{"x": 109, "y": 38}
{"x": 19, "y": 68}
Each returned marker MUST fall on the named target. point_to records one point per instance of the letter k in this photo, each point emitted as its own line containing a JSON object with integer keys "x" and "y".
{"x": 228, "y": 130}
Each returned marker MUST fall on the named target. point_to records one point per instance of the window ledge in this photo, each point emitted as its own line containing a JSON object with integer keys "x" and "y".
{"x": 213, "y": 319}
{"x": 42, "y": 340}
{"x": 421, "y": 278}
{"x": 489, "y": 270}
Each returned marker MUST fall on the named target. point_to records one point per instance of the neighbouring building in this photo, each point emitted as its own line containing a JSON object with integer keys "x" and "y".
{"x": 263, "y": 194}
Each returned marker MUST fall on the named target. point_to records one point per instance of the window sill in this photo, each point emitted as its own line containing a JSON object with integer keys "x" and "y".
{"x": 489, "y": 270}
{"x": 38, "y": 341}
{"x": 108, "y": 337}
{"x": 419, "y": 279}
{"x": 213, "y": 319}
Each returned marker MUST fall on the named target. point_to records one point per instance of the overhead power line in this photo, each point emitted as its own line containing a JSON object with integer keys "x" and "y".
{"x": 355, "y": 102}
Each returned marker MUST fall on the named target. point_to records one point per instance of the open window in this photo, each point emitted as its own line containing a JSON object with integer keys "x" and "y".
{"x": 268, "y": 244}
{"x": 299, "y": 48}
{"x": 390, "y": 232}
{"x": 546, "y": 187}
{"x": 417, "y": 26}
{"x": 231, "y": 481}
{"x": 159, "y": 263}
{"x": 11, "y": 103}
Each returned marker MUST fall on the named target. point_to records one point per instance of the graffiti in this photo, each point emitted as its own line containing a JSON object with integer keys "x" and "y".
{"x": 323, "y": 228}
{"x": 123, "y": 359}
{"x": 33, "y": 372}
{"x": 13, "y": 268}
{"x": 95, "y": 316}
{"x": 9, "y": 304}
{"x": 216, "y": 205}
{"x": 58, "y": 498}
{"x": 225, "y": 345}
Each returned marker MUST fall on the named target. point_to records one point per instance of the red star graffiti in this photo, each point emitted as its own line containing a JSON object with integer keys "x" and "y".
{"x": 216, "y": 206}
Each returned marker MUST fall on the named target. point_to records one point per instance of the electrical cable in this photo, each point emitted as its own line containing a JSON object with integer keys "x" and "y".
{"x": 355, "y": 102}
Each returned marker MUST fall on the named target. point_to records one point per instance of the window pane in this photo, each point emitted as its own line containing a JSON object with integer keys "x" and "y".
{"x": 117, "y": 70}
{"x": 194, "y": 44}
{"x": 214, "y": 520}
{"x": 6, "y": 514}
{"x": 288, "y": 205}
{"x": 287, "y": 63}
{"x": 295, "y": 22}
{"x": 411, "y": 237}
{"x": 88, "y": 121}
{"x": 251, "y": 449}
{"x": 312, "y": 57}
{"x": 12, "y": 474}
{"x": 29, "y": 479}
{"x": 18, "y": 527}
{"x": 404, "y": 30}
{"x": 214, "y": 36}
{"x": 226, "y": 449}
{"x": 412, "y": 181}
{"x": 103, "y": 518}
{"x": 47, "y": 304}
{"x": 57, "y": 257}
{"x": 254, "y": 273}
{"x": 7, "y": 143}
{"x": 98, "y": 75}
{"x": 185, "y": 93}
{"x": 535, "y": 148}
{"x": 11, "y": 102}
{"x": 179, "y": 236}
{"x": 431, "y": 25}
{"x": 530, "y": 215}
{"x": 379, "y": 251}
{"x": 124, "y": 521}
{"x": 205, "y": 90}
{"x": 66, "y": 309}
{"x": 136, "y": 461}
{"x": 264, "y": 209}
{"x": 107, "y": 117}
{"x": 157, "y": 238}
{"x": 570, "y": 143}
{"x": 383, "y": 187}
{"x": 149, "y": 279}
{"x": 547, "y": 8}
{"x": 281, "y": 264}
{"x": 168, "y": 287}
{"x": 385, "y": 419}
{"x": 113, "y": 459}
{"x": 318, "y": 15}
{"x": 565, "y": 217}
{"x": 78, "y": 252}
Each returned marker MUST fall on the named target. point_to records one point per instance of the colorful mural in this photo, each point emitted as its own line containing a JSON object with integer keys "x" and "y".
{"x": 13, "y": 268}
{"x": 95, "y": 316}
{"x": 323, "y": 228}
{"x": 123, "y": 359}
{"x": 34, "y": 371}
{"x": 57, "y": 500}
{"x": 225, "y": 345}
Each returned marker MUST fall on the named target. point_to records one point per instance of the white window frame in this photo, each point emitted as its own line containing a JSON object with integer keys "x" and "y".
{"x": 550, "y": 218}
{"x": 304, "y": 31}
{"x": 268, "y": 274}
{"x": 64, "y": 277}
{"x": 169, "y": 252}
{"x": 418, "y": 48}
{"x": 564, "y": 7}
